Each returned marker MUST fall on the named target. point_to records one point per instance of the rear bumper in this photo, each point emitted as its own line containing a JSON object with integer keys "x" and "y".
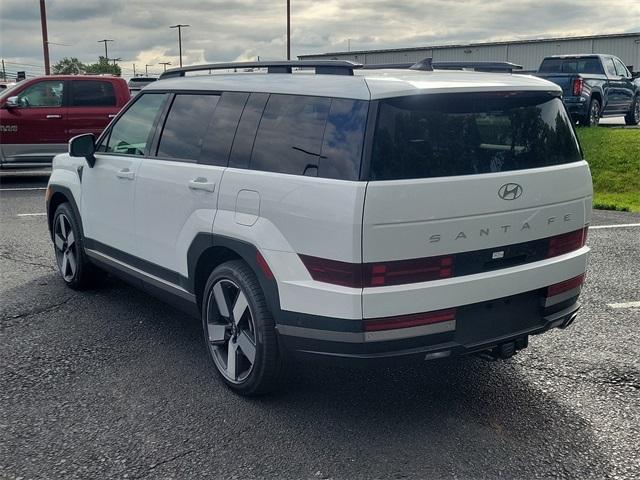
{"x": 577, "y": 106}
{"x": 478, "y": 327}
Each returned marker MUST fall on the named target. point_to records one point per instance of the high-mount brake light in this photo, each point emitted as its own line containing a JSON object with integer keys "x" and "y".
{"x": 567, "y": 242}
{"x": 578, "y": 84}
{"x": 408, "y": 321}
{"x": 558, "y": 288}
{"x": 378, "y": 274}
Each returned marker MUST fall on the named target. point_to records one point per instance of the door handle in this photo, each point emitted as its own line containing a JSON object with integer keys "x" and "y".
{"x": 112, "y": 115}
{"x": 53, "y": 116}
{"x": 201, "y": 183}
{"x": 126, "y": 174}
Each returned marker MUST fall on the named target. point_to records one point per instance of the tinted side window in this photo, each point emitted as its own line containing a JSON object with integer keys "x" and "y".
{"x": 130, "y": 133}
{"x": 186, "y": 126}
{"x": 222, "y": 130}
{"x": 290, "y": 135}
{"x": 246, "y": 133}
{"x": 92, "y": 93}
{"x": 343, "y": 139}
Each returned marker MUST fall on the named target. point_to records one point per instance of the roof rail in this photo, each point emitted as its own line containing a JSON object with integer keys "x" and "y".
{"x": 330, "y": 67}
{"x": 428, "y": 64}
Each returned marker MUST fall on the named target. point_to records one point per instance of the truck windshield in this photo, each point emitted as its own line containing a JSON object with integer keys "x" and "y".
{"x": 471, "y": 133}
{"x": 572, "y": 65}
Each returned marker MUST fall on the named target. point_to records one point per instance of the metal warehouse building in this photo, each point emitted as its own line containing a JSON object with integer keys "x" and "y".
{"x": 528, "y": 53}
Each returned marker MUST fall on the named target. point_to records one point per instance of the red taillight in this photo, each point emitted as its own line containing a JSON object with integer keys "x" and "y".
{"x": 567, "y": 242}
{"x": 558, "y": 288}
{"x": 378, "y": 274}
{"x": 407, "y": 271}
{"x": 578, "y": 84}
{"x": 407, "y": 321}
{"x": 333, "y": 271}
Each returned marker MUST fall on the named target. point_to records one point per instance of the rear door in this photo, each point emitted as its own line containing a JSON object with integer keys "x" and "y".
{"x": 625, "y": 85}
{"x": 470, "y": 173}
{"x": 92, "y": 105}
{"x": 177, "y": 188}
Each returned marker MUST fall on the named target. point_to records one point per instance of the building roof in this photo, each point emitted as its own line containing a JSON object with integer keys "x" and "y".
{"x": 475, "y": 44}
{"x": 363, "y": 85}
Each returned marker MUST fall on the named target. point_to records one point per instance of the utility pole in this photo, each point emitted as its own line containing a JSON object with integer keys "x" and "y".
{"x": 45, "y": 38}
{"x": 164, "y": 64}
{"x": 134, "y": 69}
{"x": 288, "y": 29}
{"x": 180, "y": 26}
{"x": 116, "y": 60}
{"x": 348, "y": 44}
{"x": 4, "y": 73}
{"x": 106, "y": 53}
{"x": 146, "y": 69}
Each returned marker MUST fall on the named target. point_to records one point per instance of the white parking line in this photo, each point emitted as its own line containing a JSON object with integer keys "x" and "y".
{"x": 622, "y": 225}
{"x": 20, "y": 189}
{"x": 30, "y": 214}
{"x": 624, "y": 305}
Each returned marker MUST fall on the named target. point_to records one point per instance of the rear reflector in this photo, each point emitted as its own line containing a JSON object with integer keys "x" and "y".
{"x": 408, "y": 321}
{"x": 378, "y": 274}
{"x": 558, "y": 288}
{"x": 264, "y": 266}
{"x": 567, "y": 242}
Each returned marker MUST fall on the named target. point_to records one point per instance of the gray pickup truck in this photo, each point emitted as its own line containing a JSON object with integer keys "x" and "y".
{"x": 594, "y": 86}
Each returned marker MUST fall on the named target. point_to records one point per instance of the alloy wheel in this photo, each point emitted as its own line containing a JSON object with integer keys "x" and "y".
{"x": 65, "y": 247}
{"x": 231, "y": 331}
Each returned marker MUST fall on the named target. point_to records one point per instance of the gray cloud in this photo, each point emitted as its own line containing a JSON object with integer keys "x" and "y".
{"x": 225, "y": 30}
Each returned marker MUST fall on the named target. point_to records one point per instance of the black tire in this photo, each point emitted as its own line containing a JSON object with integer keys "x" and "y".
{"x": 593, "y": 114}
{"x": 633, "y": 117}
{"x": 68, "y": 245}
{"x": 239, "y": 331}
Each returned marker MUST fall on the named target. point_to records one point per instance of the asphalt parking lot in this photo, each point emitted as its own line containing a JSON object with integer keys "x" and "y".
{"x": 111, "y": 383}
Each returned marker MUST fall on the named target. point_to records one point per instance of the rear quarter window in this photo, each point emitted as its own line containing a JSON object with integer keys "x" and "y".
{"x": 464, "y": 134}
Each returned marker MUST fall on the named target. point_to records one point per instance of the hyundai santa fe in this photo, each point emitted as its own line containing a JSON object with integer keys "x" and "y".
{"x": 322, "y": 210}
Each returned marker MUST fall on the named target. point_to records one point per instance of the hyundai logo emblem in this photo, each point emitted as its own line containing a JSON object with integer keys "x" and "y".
{"x": 510, "y": 191}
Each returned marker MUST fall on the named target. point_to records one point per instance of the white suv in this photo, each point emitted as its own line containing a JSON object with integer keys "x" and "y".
{"x": 343, "y": 214}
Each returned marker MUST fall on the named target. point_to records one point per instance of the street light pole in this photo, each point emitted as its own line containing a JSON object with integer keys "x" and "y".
{"x": 288, "y": 29}
{"x": 164, "y": 65}
{"x": 106, "y": 53}
{"x": 146, "y": 69}
{"x": 179, "y": 26}
{"x": 45, "y": 38}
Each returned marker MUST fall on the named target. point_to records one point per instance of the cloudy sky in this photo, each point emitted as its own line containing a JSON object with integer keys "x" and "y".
{"x": 227, "y": 30}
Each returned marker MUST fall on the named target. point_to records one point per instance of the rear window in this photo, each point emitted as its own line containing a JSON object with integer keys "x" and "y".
{"x": 464, "y": 134}
{"x": 572, "y": 65}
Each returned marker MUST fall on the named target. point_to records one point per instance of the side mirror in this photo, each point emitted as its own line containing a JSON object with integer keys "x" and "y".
{"x": 12, "y": 102}
{"x": 84, "y": 146}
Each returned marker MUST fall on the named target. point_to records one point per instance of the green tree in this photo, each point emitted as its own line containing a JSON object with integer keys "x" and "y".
{"x": 103, "y": 66}
{"x": 69, "y": 66}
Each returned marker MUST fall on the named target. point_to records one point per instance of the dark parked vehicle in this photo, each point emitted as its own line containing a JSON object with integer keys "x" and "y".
{"x": 138, "y": 83}
{"x": 39, "y": 116}
{"x": 594, "y": 86}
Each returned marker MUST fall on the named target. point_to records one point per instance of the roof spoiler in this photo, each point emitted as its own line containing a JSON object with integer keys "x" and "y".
{"x": 330, "y": 67}
{"x": 428, "y": 65}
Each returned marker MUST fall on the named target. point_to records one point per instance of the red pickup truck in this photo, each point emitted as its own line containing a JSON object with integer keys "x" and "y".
{"x": 38, "y": 116}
